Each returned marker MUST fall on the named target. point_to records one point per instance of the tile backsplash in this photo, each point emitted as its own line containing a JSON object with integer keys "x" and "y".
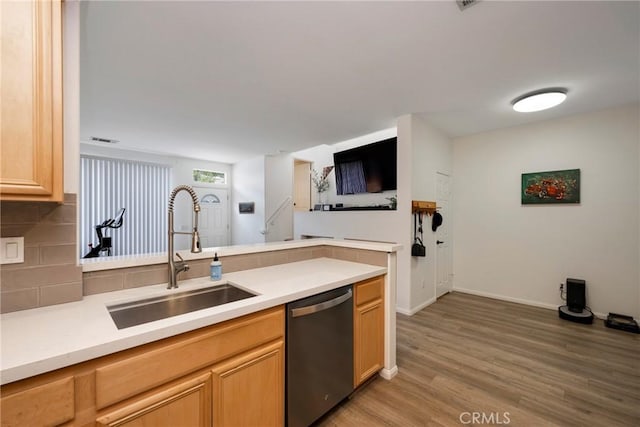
{"x": 49, "y": 274}
{"x": 122, "y": 278}
{"x": 96, "y": 282}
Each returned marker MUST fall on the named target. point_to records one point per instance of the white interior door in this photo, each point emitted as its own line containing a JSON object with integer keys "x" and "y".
{"x": 302, "y": 186}
{"x": 213, "y": 223}
{"x": 443, "y": 236}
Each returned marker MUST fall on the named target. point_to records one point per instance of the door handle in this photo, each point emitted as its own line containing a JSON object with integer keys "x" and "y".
{"x": 439, "y": 242}
{"x": 310, "y": 309}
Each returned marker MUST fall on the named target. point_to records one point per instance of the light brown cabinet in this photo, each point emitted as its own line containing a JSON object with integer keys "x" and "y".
{"x": 31, "y": 101}
{"x": 229, "y": 374}
{"x": 257, "y": 377}
{"x": 368, "y": 329}
{"x": 226, "y": 374}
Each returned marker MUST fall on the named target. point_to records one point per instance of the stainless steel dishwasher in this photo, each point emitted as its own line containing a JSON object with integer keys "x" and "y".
{"x": 319, "y": 354}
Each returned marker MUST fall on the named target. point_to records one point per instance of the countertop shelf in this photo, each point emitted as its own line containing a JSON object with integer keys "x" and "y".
{"x": 362, "y": 208}
{"x": 123, "y": 261}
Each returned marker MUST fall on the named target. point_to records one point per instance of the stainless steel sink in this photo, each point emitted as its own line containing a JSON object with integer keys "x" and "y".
{"x": 147, "y": 310}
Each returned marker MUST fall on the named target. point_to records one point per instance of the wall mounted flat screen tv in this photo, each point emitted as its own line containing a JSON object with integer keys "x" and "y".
{"x": 367, "y": 169}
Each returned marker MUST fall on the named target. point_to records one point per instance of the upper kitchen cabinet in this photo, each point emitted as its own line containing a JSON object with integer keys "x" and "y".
{"x": 31, "y": 101}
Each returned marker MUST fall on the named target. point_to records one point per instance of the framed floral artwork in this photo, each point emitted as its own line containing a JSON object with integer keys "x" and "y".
{"x": 552, "y": 187}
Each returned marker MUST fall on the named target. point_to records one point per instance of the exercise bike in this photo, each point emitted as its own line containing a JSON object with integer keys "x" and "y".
{"x": 104, "y": 243}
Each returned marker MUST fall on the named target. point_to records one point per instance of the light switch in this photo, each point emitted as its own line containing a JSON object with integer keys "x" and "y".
{"x": 11, "y": 250}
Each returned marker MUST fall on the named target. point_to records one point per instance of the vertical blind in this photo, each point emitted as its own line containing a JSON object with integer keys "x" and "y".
{"x": 106, "y": 186}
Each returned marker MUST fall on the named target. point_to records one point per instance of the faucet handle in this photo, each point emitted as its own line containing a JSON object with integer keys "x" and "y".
{"x": 181, "y": 265}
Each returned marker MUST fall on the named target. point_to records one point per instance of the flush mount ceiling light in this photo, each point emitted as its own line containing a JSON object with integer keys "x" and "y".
{"x": 539, "y": 100}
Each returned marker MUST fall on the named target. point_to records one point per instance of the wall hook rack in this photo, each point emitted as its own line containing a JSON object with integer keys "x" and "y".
{"x": 421, "y": 206}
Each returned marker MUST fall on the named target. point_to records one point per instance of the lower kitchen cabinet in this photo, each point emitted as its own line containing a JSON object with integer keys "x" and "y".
{"x": 368, "y": 329}
{"x": 185, "y": 403}
{"x": 252, "y": 380}
{"x": 228, "y": 374}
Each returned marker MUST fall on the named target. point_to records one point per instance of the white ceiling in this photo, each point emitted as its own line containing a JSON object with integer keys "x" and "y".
{"x": 229, "y": 80}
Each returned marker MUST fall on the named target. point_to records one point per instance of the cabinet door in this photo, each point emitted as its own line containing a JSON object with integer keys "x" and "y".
{"x": 182, "y": 403}
{"x": 369, "y": 340}
{"x": 248, "y": 390}
{"x": 31, "y": 100}
{"x": 368, "y": 329}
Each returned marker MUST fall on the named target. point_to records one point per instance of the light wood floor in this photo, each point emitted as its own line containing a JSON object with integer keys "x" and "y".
{"x": 468, "y": 354}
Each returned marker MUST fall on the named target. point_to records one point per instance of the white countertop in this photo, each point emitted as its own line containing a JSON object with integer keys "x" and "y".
{"x": 48, "y": 338}
{"x": 108, "y": 263}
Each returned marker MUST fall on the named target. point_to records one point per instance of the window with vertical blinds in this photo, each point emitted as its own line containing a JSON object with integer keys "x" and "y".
{"x": 106, "y": 186}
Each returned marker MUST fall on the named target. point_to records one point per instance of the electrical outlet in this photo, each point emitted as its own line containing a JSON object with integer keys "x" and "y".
{"x": 561, "y": 287}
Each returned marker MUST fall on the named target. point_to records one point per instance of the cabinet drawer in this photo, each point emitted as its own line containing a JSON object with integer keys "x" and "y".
{"x": 369, "y": 290}
{"x": 46, "y": 405}
{"x": 170, "y": 359}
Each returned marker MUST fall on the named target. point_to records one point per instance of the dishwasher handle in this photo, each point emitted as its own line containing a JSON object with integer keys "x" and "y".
{"x": 310, "y": 309}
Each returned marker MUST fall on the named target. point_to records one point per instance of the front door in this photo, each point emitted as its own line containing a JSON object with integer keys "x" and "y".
{"x": 213, "y": 223}
{"x": 443, "y": 236}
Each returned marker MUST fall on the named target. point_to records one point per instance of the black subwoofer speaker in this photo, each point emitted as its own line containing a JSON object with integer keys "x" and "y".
{"x": 576, "y": 300}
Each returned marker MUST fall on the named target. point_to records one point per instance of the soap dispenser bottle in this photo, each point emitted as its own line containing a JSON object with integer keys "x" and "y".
{"x": 216, "y": 268}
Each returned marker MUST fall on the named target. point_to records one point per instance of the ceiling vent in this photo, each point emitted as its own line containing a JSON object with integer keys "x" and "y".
{"x": 464, "y": 4}
{"x": 103, "y": 140}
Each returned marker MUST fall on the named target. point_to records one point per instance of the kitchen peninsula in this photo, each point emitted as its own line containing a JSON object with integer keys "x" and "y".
{"x": 59, "y": 339}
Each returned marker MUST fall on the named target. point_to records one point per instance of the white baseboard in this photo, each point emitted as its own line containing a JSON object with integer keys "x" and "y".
{"x": 387, "y": 374}
{"x": 415, "y": 309}
{"x": 517, "y": 300}
{"x": 403, "y": 311}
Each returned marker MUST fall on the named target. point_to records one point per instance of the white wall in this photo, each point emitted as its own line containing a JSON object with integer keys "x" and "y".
{"x": 422, "y": 151}
{"x": 71, "y": 95}
{"x": 181, "y": 174}
{"x": 322, "y": 155}
{"x": 388, "y": 226}
{"x": 401, "y": 223}
{"x": 182, "y": 167}
{"x": 278, "y": 188}
{"x": 431, "y": 153}
{"x": 319, "y": 157}
{"x": 71, "y": 101}
{"x": 248, "y": 185}
{"x": 505, "y": 249}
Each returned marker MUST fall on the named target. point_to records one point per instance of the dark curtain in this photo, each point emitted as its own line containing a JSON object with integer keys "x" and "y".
{"x": 350, "y": 178}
